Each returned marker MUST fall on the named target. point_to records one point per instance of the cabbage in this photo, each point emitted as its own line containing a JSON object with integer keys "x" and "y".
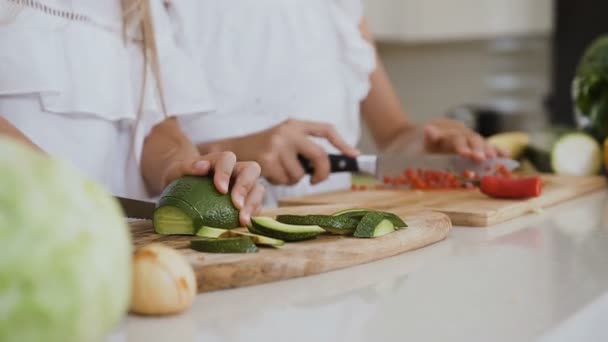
{"x": 65, "y": 252}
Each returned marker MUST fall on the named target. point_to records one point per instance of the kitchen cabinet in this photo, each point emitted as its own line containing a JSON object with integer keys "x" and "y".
{"x": 416, "y": 21}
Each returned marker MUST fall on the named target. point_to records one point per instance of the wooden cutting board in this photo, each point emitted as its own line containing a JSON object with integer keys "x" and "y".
{"x": 464, "y": 207}
{"x": 326, "y": 253}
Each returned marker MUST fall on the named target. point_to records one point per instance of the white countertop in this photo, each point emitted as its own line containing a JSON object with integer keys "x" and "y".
{"x": 541, "y": 277}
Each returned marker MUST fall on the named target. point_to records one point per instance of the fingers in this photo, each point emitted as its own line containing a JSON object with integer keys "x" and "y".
{"x": 432, "y": 134}
{"x": 246, "y": 175}
{"x": 317, "y": 156}
{"x": 328, "y": 132}
{"x": 477, "y": 146}
{"x": 460, "y": 145}
{"x": 223, "y": 164}
{"x": 291, "y": 165}
{"x": 253, "y": 204}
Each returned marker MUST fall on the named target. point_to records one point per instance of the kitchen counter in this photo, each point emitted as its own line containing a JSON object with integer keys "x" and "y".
{"x": 541, "y": 277}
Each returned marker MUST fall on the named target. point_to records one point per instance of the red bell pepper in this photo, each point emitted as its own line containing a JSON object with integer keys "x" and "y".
{"x": 514, "y": 188}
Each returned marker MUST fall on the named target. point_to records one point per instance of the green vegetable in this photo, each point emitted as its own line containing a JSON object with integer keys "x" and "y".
{"x": 211, "y": 232}
{"x": 267, "y": 226}
{"x": 256, "y": 238}
{"x": 191, "y": 202}
{"x": 241, "y": 244}
{"x": 358, "y": 214}
{"x": 590, "y": 86}
{"x": 65, "y": 270}
{"x": 332, "y": 224}
{"x": 564, "y": 152}
{"x": 374, "y": 225}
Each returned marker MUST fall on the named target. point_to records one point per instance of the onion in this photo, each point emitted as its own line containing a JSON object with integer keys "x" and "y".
{"x": 163, "y": 281}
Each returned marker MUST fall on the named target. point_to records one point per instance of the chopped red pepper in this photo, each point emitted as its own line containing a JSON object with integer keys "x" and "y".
{"x": 468, "y": 174}
{"x": 514, "y": 188}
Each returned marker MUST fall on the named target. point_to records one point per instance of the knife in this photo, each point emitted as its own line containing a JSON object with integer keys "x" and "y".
{"x": 136, "y": 209}
{"x": 394, "y": 164}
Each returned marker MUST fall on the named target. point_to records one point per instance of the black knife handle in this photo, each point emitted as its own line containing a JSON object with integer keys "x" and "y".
{"x": 337, "y": 162}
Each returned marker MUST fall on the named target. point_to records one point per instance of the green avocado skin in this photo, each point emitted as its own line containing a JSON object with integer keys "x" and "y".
{"x": 198, "y": 197}
{"x": 224, "y": 245}
{"x": 336, "y": 223}
{"x": 257, "y": 228}
{"x": 358, "y": 215}
{"x": 367, "y": 226}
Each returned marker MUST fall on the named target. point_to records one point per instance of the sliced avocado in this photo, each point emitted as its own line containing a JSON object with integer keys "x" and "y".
{"x": 256, "y": 238}
{"x": 211, "y": 232}
{"x": 358, "y": 213}
{"x": 352, "y": 212}
{"x": 397, "y": 221}
{"x": 191, "y": 202}
{"x": 332, "y": 224}
{"x": 172, "y": 220}
{"x": 374, "y": 225}
{"x": 241, "y": 244}
{"x": 270, "y": 227}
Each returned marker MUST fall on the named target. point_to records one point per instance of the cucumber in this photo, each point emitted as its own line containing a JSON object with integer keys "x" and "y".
{"x": 373, "y": 225}
{"x": 241, "y": 244}
{"x": 332, "y": 224}
{"x": 211, "y": 232}
{"x": 256, "y": 238}
{"x": 358, "y": 214}
{"x": 270, "y": 227}
{"x": 565, "y": 152}
{"x": 191, "y": 202}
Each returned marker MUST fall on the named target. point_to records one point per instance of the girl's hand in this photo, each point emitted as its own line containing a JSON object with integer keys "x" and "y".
{"x": 450, "y": 136}
{"x": 247, "y": 194}
{"x": 277, "y": 148}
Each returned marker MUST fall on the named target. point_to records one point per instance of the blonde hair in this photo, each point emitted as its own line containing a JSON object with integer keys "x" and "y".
{"x": 137, "y": 14}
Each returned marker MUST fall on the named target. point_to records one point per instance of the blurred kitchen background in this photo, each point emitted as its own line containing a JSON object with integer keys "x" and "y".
{"x": 497, "y": 65}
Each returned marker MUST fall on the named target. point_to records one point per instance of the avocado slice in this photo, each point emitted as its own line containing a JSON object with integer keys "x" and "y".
{"x": 241, "y": 244}
{"x": 359, "y": 213}
{"x": 374, "y": 225}
{"x": 191, "y": 202}
{"x": 270, "y": 227}
{"x": 256, "y": 238}
{"x": 211, "y": 232}
{"x": 332, "y": 224}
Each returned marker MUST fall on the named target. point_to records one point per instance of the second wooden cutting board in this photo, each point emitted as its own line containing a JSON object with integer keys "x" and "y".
{"x": 464, "y": 207}
{"x": 326, "y": 253}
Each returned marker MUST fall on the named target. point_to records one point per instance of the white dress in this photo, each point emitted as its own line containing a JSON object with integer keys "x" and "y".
{"x": 270, "y": 60}
{"x": 70, "y": 82}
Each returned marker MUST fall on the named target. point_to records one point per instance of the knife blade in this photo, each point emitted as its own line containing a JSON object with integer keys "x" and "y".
{"x": 136, "y": 209}
{"x": 394, "y": 164}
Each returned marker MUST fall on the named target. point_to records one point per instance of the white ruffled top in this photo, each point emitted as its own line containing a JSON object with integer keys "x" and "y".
{"x": 270, "y": 60}
{"x": 71, "y": 83}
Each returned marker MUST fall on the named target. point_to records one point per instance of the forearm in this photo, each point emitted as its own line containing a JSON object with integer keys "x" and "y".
{"x": 381, "y": 109}
{"x": 7, "y": 129}
{"x": 165, "y": 145}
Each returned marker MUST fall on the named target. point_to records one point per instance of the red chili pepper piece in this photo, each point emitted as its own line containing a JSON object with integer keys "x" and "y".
{"x": 503, "y": 171}
{"x": 514, "y": 188}
{"x": 387, "y": 180}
